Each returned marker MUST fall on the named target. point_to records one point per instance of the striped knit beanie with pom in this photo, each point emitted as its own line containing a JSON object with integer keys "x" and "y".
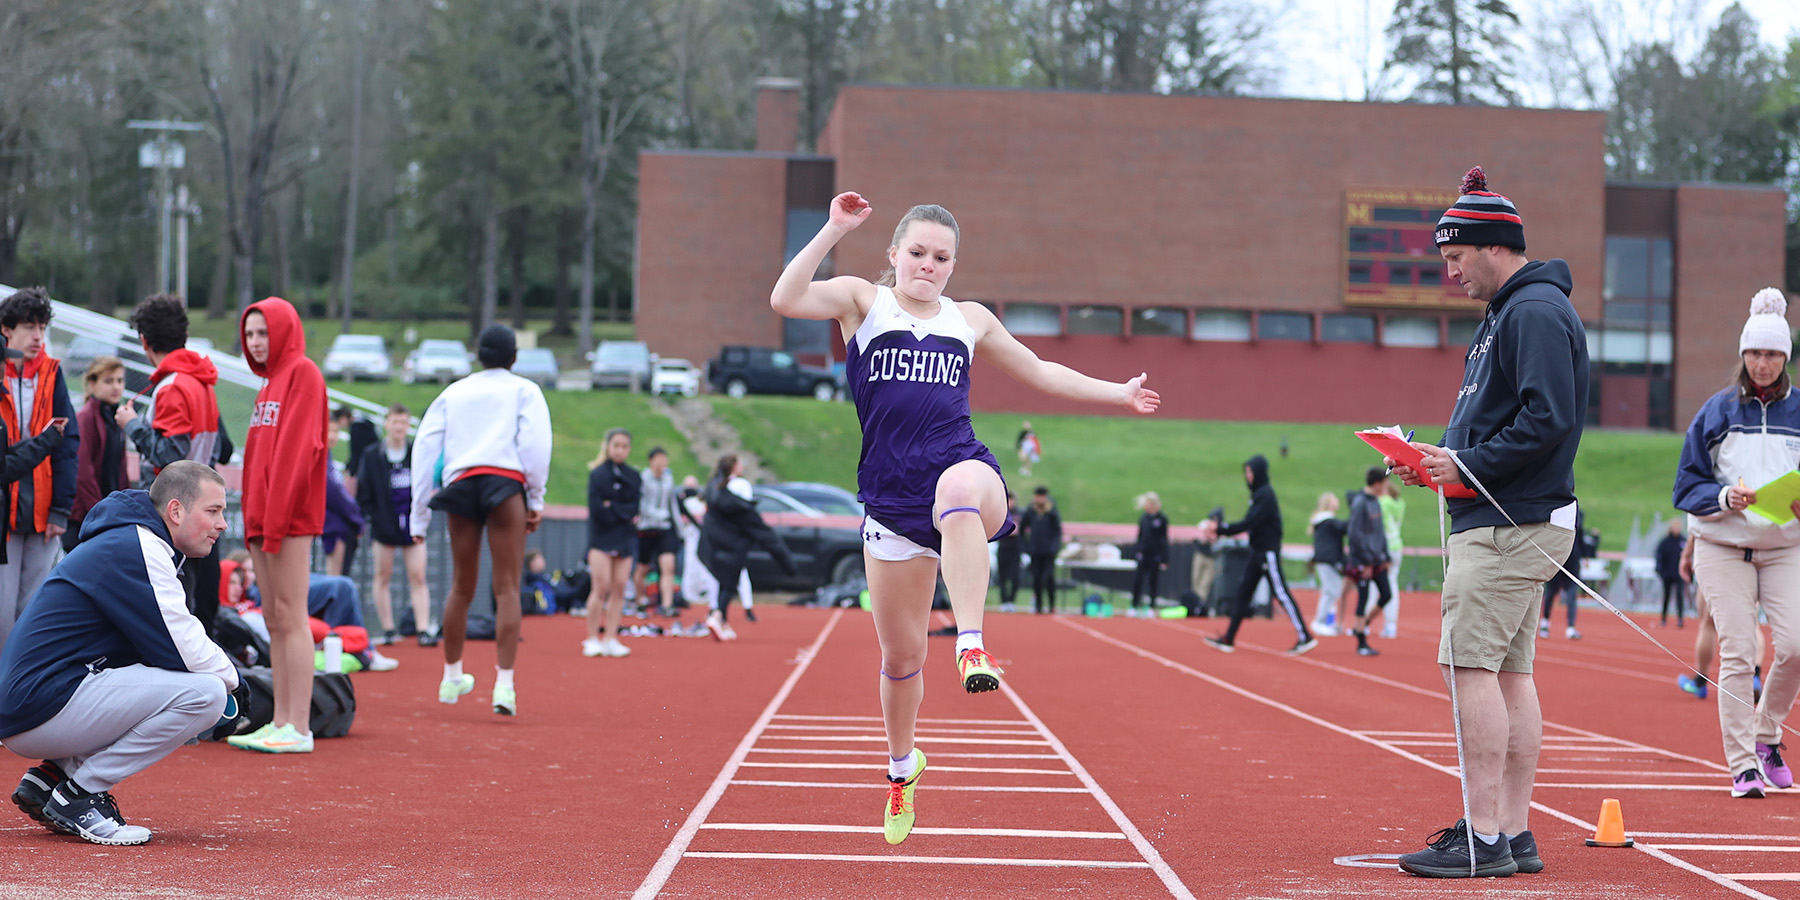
{"x": 1481, "y": 217}
{"x": 1767, "y": 327}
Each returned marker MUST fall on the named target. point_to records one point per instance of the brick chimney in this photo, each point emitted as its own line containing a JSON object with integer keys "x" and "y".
{"x": 778, "y": 115}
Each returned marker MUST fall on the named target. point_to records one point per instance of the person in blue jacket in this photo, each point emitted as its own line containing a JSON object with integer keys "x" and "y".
{"x": 108, "y": 671}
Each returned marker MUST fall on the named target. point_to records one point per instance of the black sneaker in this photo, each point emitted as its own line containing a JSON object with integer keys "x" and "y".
{"x": 750, "y": 615}
{"x": 1219, "y": 644}
{"x": 1447, "y": 856}
{"x": 430, "y": 638}
{"x": 1366, "y": 650}
{"x": 92, "y": 817}
{"x": 1524, "y": 851}
{"x": 34, "y": 791}
{"x": 389, "y": 637}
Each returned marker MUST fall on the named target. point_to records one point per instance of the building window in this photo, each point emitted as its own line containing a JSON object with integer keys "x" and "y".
{"x": 1410, "y": 331}
{"x": 1221, "y": 325}
{"x": 1283, "y": 326}
{"x": 1348, "y": 328}
{"x": 1033, "y": 319}
{"x": 1162, "y": 321}
{"x": 1462, "y": 330}
{"x": 1108, "y": 320}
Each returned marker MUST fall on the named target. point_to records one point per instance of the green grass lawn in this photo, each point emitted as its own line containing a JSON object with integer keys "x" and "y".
{"x": 320, "y": 332}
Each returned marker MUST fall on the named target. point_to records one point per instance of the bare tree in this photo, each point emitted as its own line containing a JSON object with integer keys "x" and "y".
{"x": 1171, "y": 46}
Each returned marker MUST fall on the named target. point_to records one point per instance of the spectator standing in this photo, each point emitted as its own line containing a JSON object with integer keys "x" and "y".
{"x": 1043, "y": 537}
{"x": 1327, "y": 532}
{"x": 1007, "y": 556}
{"x": 101, "y": 467}
{"x": 1262, "y": 524}
{"x": 1152, "y": 554}
{"x": 35, "y": 395}
{"x": 732, "y": 527}
{"x": 1366, "y": 559}
{"x": 1668, "y": 569}
{"x": 1393, "y": 513}
{"x": 343, "y": 517}
{"x": 658, "y": 540}
{"x": 1586, "y": 546}
{"x": 384, "y": 493}
{"x": 1030, "y": 450}
{"x": 614, "y": 491}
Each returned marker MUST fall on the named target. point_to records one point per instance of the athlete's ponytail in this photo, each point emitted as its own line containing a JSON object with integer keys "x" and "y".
{"x": 927, "y": 212}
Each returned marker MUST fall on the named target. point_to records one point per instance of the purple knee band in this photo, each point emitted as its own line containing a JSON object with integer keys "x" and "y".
{"x": 956, "y": 509}
{"x": 884, "y": 674}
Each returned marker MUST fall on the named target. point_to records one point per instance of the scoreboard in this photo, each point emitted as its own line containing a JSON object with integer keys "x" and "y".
{"x": 1390, "y": 258}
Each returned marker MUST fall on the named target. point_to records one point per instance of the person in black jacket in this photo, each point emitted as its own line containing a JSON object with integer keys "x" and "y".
{"x": 614, "y": 490}
{"x": 1008, "y": 555}
{"x": 384, "y": 492}
{"x": 1152, "y": 554}
{"x": 1042, "y": 528}
{"x": 1262, "y": 523}
{"x": 1366, "y": 557}
{"x": 731, "y": 529}
{"x": 1668, "y": 568}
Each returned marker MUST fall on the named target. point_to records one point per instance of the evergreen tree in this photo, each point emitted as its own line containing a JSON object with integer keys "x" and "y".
{"x": 1460, "y": 49}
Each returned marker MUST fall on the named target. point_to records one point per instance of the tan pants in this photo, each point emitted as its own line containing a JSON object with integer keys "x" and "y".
{"x": 1734, "y": 588}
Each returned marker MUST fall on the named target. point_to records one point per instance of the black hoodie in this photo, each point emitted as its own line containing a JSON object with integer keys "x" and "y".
{"x": 1519, "y": 413}
{"x": 1263, "y": 521}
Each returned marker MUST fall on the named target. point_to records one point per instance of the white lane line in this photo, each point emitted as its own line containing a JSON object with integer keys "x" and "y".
{"x": 840, "y": 728}
{"x": 866, "y": 754}
{"x": 1765, "y": 876}
{"x": 882, "y": 739}
{"x": 1713, "y": 836}
{"x": 864, "y": 766}
{"x": 1156, "y": 863}
{"x": 923, "y": 721}
{"x": 1222, "y": 684}
{"x": 942, "y": 860}
{"x": 1586, "y": 785}
{"x": 877, "y": 829}
{"x": 876, "y": 786}
{"x": 1729, "y": 848}
{"x": 1615, "y": 773}
{"x": 671, "y": 855}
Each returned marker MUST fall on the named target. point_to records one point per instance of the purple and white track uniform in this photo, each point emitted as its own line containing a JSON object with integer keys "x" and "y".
{"x": 909, "y": 378}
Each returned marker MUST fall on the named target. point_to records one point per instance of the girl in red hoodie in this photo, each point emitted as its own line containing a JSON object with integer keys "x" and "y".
{"x": 284, "y": 509}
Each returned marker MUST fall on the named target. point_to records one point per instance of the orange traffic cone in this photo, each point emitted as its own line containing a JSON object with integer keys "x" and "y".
{"x": 1611, "y": 832}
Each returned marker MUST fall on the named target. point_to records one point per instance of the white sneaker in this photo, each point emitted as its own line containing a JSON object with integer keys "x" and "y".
{"x": 592, "y": 647}
{"x": 615, "y": 649}
{"x": 1007, "y": 607}
{"x": 1323, "y": 630}
{"x": 1543, "y": 628}
{"x": 379, "y": 663}
{"x": 1389, "y": 632}
{"x": 1572, "y": 634}
{"x": 726, "y": 634}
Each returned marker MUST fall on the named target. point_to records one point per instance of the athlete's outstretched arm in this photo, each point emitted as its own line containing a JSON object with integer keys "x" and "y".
{"x": 997, "y": 345}
{"x": 797, "y": 295}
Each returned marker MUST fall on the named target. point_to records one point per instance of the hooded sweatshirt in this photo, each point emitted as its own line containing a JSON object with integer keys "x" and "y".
{"x": 1518, "y": 416}
{"x": 1263, "y": 520}
{"x": 113, "y": 602}
{"x": 184, "y": 413}
{"x": 36, "y": 393}
{"x": 284, "y": 448}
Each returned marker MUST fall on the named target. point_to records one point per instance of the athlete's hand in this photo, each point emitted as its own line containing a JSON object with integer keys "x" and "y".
{"x": 1141, "y": 399}
{"x": 849, "y": 210}
{"x": 533, "y": 518}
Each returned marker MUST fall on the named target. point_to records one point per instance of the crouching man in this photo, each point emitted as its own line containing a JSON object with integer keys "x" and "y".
{"x": 107, "y": 671}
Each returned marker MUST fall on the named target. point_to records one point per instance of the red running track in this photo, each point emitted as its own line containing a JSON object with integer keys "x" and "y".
{"x": 1126, "y": 759}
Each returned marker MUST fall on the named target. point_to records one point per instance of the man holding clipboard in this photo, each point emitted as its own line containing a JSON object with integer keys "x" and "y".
{"x": 1515, "y": 429}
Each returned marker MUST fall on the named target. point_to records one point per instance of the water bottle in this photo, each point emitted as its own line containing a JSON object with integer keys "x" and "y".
{"x": 334, "y": 653}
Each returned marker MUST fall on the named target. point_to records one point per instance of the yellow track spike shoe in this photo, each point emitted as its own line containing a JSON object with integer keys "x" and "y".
{"x": 897, "y": 815}
{"x": 977, "y": 671}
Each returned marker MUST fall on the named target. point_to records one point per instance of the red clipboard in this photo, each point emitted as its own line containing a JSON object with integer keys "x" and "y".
{"x": 1407, "y": 455}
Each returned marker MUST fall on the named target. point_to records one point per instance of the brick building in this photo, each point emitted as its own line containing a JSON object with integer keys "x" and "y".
{"x": 1261, "y": 259}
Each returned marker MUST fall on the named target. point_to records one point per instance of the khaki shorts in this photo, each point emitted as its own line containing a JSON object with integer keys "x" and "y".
{"x": 1493, "y": 590}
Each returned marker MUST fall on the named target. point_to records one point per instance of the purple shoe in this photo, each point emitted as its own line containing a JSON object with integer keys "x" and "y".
{"x": 1748, "y": 783}
{"x": 1778, "y": 772}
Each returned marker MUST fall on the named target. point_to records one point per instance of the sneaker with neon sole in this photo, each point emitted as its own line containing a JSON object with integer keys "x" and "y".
{"x": 1773, "y": 766}
{"x": 34, "y": 791}
{"x": 897, "y": 812}
{"x": 506, "y": 701}
{"x": 977, "y": 671}
{"x": 92, "y": 817}
{"x": 241, "y": 741}
{"x": 286, "y": 739}
{"x": 452, "y": 691}
{"x": 1692, "y": 685}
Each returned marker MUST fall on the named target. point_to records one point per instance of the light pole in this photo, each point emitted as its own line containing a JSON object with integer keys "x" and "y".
{"x": 162, "y": 154}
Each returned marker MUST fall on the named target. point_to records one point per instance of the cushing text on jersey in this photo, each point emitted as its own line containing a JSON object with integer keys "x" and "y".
{"x": 906, "y": 364}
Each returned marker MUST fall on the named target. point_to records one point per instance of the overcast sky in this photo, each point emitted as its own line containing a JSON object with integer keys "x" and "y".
{"x": 1331, "y": 43}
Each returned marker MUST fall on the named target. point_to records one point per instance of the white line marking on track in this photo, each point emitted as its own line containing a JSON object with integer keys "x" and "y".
{"x": 839, "y": 728}
{"x": 1729, "y": 848}
{"x": 1169, "y": 879}
{"x": 877, "y": 719}
{"x": 671, "y": 855}
{"x": 867, "y": 754}
{"x": 1587, "y": 785}
{"x": 1714, "y": 877}
{"x": 864, "y": 766}
{"x": 877, "y": 829}
{"x": 882, "y": 739}
{"x": 1765, "y": 876}
{"x": 1710, "y": 836}
{"x": 943, "y": 860}
{"x": 877, "y": 786}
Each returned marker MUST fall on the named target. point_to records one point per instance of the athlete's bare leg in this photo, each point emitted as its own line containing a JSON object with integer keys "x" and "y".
{"x": 900, "y": 596}
{"x": 971, "y": 506}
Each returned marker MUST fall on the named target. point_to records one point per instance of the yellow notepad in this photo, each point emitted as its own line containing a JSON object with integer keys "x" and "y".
{"x": 1774, "y": 501}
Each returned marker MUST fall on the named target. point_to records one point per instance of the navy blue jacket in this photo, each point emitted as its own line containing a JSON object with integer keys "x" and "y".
{"x": 1263, "y": 520}
{"x": 1519, "y": 413}
{"x": 114, "y": 601}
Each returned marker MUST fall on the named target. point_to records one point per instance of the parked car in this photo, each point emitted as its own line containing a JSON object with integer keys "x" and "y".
{"x": 354, "y": 356}
{"x": 675, "y": 376}
{"x": 623, "y": 364}
{"x": 827, "y": 548}
{"x": 437, "y": 359}
{"x": 539, "y": 365}
{"x": 762, "y": 370}
{"x": 826, "y": 498}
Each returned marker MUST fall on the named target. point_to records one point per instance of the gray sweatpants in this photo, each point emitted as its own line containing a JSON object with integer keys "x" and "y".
{"x": 123, "y": 721}
{"x": 29, "y": 558}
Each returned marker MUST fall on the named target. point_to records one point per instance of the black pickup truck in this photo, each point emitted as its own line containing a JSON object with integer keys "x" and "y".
{"x": 763, "y": 370}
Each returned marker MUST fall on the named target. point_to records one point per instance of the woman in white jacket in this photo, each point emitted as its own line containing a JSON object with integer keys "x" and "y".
{"x": 1743, "y": 438}
{"x": 482, "y": 455}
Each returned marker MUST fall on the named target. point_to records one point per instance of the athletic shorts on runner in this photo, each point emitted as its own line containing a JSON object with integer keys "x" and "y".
{"x": 895, "y": 532}
{"x": 1493, "y": 588}
{"x": 476, "y": 497}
